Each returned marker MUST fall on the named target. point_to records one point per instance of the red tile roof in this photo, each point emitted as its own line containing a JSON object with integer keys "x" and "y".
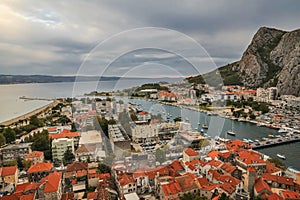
{"x": 228, "y": 167}
{"x": 171, "y": 189}
{"x": 125, "y": 179}
{"x": 213, "y": 154}
{"x": 215, "y": 163}
{"x": 203, "y": 181}
{"x": 40, "y": 167}
{"x": 249, "y": 157}
{"x": 76, "y": 166}
{"x": 279, "y": 179}
{"x": 68, "y": 196}
{"x": 29, "y": 186}
{"x": 274, "y": 196}
{"x": 261, "y": 185}
{"x": 190, "y": 152}
{"x": 176, "y": 165}
{"x": 64, "y": 134}
{"x": 27, "y": 197}
{"x": 271, "y": 168}
{"x": 92, "y": 196}
{"x": 187, "y": 182}
{"x": 287, "y": 194}
{"x": 8, "y": 171}
{"x": 10, "y": 197}
{"x": 35, "y": 154}
{"x": 52, "y": 182}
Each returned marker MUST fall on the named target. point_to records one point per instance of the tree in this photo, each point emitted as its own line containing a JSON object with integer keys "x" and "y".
{"x": 177, "y": 119}
{"x": 133, "y": 117}
{"x": 41, "y": 142}
{"x": 103, "y": 168}
{"x": 160, "y": 155}
{"x": 9, "y": 134}
{"x": 74, "y": 127}
{"x": 277, "y": 162}
{"x": 69, "y": 157}
{"x": 26, "y": 164}
{"x": 2, "y": 139}
{"x": 20, "y": 163}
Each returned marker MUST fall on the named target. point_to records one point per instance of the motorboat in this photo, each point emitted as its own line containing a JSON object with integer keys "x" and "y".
{"x": 281, "y": 156}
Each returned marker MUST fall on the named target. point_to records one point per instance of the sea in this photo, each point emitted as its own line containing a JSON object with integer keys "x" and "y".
{"x": 12, "y": 106}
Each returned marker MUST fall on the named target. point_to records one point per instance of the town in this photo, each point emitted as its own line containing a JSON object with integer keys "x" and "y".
{"x": 102, "y": 146}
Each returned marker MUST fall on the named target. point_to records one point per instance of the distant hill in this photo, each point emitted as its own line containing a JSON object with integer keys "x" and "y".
{"x": 271, "y": 59}
{"x": 15, "y": 79}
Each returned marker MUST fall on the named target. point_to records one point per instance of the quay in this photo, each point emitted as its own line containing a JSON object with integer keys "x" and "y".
{"x": 35, "y": 98}
{"x": 270, "y": 142}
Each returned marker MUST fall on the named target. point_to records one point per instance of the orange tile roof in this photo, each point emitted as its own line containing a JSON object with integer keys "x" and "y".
{"x": 261, "y": 185}
{"x": 279, "y": 179}
{"x": 228, "y": 167}
{"x": 64, "y": 134}
{"x": 125, "y": 179}
{"x": 213, "y": 154}
{"x": 215, "y": 163}
{"x": 27, "y": 197}
{"x": 171, "y": 189}
{"x": 103, "y": 176}
{"x": 187, "y": 182}
{"x": 287, "y": 194}
{"x": 52, "y": 182}
{"x": 274, "y": 196}
{"x": 40, "y": 167}
{"x": 51, "y": 128}
{"x": 8, "y": 171}
{"x": 143, "y": 113}
{"x": 249, "y": 157}
{"x": 271, "y": 168}
{"x": 10, "y": 197}
{"x": 203, "y": 181}
{"x": 190, "y": 152}
{"x": 227, "y": 187}
{"x": 176, "y": 165}
{"x": 35, "y": 154}
{"x": 29, "y": 186}
{"x": 216, "y": 197}
{"x": 92, "y": 196}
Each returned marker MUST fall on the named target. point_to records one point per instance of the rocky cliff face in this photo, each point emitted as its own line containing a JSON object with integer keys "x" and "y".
{"x": 272, "y": 59}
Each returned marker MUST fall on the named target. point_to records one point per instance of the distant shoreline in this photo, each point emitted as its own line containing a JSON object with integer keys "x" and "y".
{"x": 28, "y": 114}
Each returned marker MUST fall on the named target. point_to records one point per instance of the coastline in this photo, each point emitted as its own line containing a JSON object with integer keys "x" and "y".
{"x": 29, "y": 114}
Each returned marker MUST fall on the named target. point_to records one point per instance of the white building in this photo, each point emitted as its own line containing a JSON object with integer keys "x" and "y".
{"x": 60, "y": 146}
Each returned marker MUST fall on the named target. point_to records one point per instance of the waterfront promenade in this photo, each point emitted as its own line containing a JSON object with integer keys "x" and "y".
{"x": 29, "y": 114}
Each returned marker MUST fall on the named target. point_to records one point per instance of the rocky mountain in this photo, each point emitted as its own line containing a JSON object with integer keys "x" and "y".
{"x": 271, "y": 59}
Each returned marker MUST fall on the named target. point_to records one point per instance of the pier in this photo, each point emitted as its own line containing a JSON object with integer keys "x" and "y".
{"x": 270, "y": 142}
{"x": 35, "y": 98}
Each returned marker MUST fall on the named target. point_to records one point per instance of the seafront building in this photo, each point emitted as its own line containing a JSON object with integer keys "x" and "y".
{"x": 11, "y": 153}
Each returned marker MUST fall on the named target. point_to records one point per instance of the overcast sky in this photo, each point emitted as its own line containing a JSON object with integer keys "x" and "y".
{"x": 94, "y": 37}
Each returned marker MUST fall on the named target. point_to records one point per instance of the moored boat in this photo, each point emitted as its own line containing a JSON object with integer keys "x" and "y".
{"x": 281, "y": 156}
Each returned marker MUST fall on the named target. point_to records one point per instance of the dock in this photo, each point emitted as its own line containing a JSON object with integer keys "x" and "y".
{"x": 270, "y": 142}
{"x": 36, "y": 98}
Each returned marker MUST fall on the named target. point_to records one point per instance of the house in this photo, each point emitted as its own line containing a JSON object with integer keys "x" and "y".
{"x": 261, "y": 187}
{"x": 282, "y": 182}
{"x": 92, "y": 196}
{"x": 9, "y": 175}
{"x": 250, "y": 158}
{"x": 76, "y": 176}
{"x": 52, "y": 186}
{"x": 143, "y": 116}
{"x": 38, "y": 171}
{"x": 92, "y": 152}
{"x": 170, "y": 191}
{"x": 125, "y": 182}
{"x": 189, "y": 155}
{"x": 35, "y": 157}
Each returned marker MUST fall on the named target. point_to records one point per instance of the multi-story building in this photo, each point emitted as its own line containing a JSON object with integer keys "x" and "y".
{"x": 119, "y": 139}
{"x": 12, "y": 152}
{"x": 60, "y": 146}
{"x": 144, "y": 132}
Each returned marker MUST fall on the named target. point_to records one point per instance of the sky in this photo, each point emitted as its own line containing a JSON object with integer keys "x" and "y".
{"x": 133, "y": 38}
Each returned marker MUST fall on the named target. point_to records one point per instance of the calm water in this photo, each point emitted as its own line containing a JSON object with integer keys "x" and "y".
{"x": 12, "y": 106}
{"x": 218, "y": 126}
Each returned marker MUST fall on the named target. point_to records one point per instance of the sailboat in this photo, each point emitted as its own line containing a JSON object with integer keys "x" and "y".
{"x": 230, "y": 132}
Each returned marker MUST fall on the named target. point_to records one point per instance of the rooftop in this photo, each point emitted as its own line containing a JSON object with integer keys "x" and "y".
{"x": 40, "y": 167}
